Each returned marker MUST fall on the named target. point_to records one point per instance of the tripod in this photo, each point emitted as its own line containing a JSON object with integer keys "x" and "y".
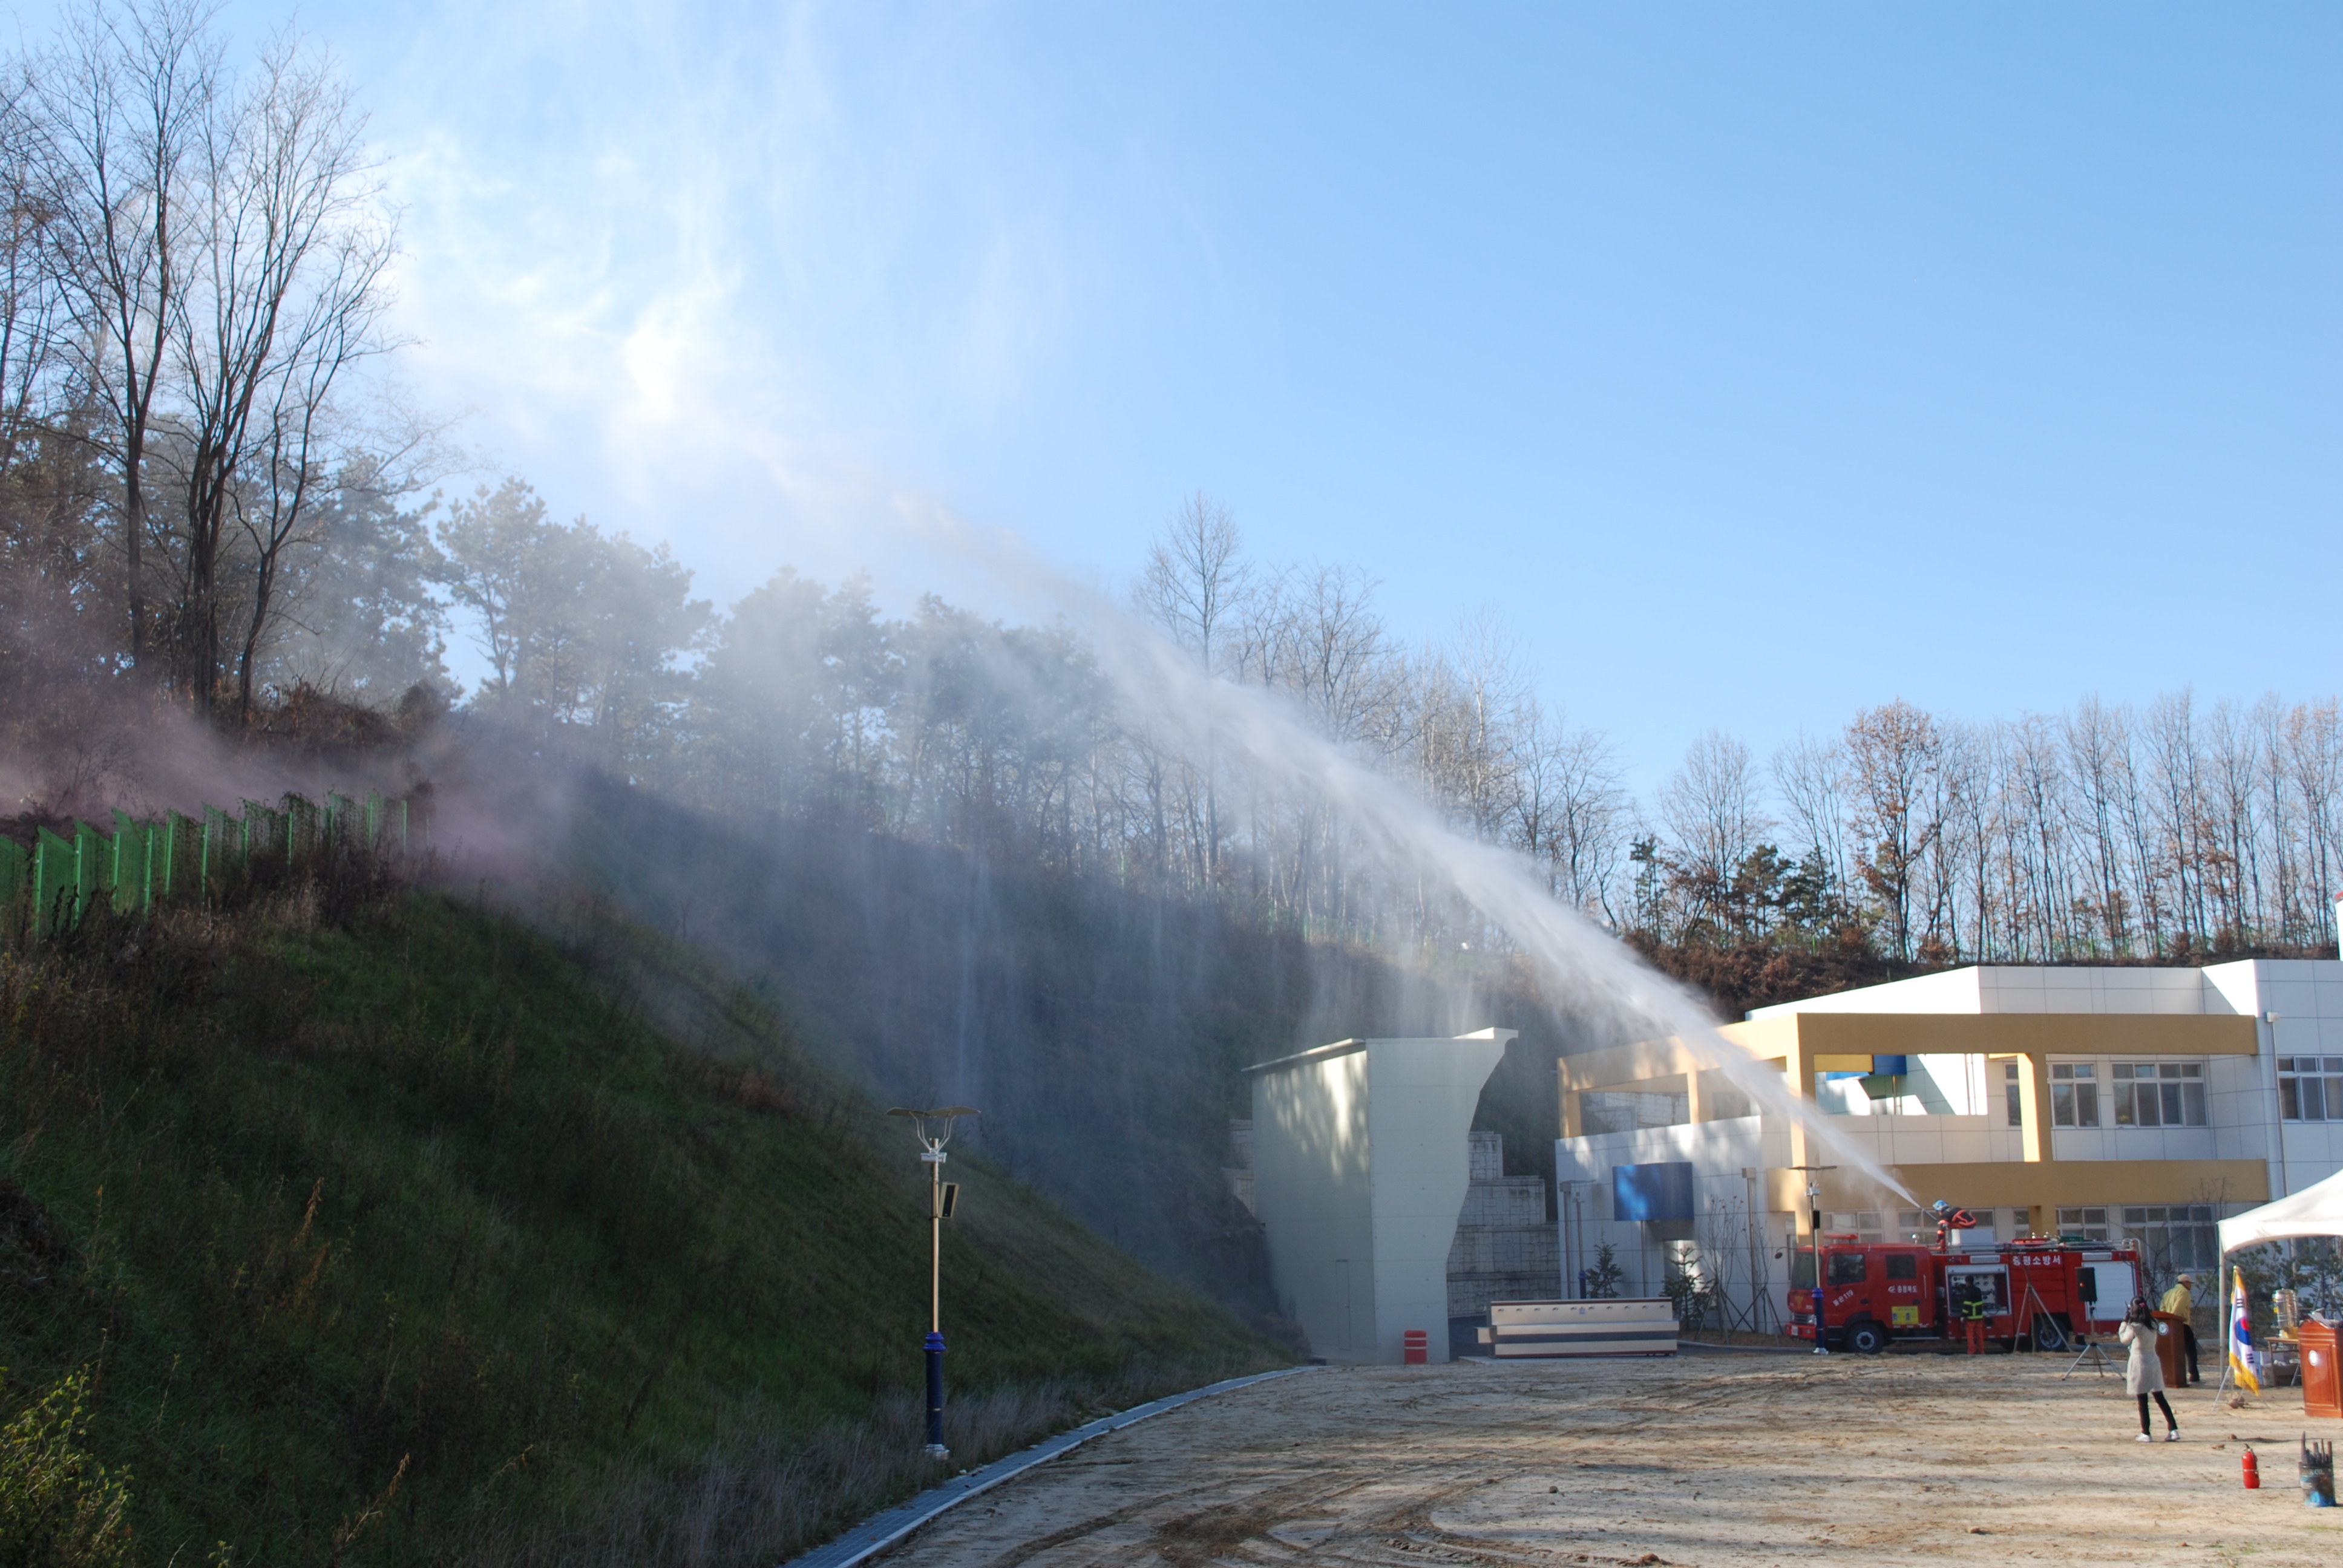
{"x": 2090, "y": 1352}
{"x": 2031, "y": 1327}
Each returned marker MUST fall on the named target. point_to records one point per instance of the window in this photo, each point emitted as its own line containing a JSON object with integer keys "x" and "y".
{"x": 1863, "y": 1226}
{"x": 1846, "y": 1268}
{"x": 1992, "y": 1286}
{"x": 1624, "y": 1111}
{"x": 1903, "y": 1266}
{"x": 2158, "y": 1094}
{"x": 2175, "y": 1237}
{"x": 2310, "y": 1088}
{"x": 2074, "y": 1094}
{"x": 2009, "y": 1088}
{"x": 1723, "y": 1100}
{"x": 2091, "y": 1224}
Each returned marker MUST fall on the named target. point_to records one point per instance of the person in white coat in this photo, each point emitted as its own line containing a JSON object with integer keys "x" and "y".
{"x": 2143, "y": 1374}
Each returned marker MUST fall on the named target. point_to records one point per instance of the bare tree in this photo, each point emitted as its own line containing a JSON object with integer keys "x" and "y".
{"x": 1469, "y": 694}
{"x": 2098, "y": 758}
{"x": 1806, "y": 778}
{"x": 2175, "y": 807}
{"x": 1893, "y": 754}
{"x": 312, "y": 447}
{"x": 1570, "y": 811}
{"x": 125, "y": 104}
{"x": 1194, "y": 581}
{"x": 2235, "y": 824}
{"x": 32, "y": 303}
{"x": 285, "y": 293}
{"x": 2314, "y": 762}
{"x": 1713, "y": 811}
{"x": 1192, "y": 587}
{"x": 1339, "y": 662}
{"x": 1970, "y": 844}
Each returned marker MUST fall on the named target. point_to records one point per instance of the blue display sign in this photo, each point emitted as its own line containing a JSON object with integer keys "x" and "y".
{"x": 1652, "y": 1191}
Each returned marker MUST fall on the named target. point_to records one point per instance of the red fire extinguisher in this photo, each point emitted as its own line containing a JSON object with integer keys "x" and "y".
{"x": 2253, "y": 1470}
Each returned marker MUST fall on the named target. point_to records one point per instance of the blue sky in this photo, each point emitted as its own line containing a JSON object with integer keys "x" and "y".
{"x": 1754, "y": 364}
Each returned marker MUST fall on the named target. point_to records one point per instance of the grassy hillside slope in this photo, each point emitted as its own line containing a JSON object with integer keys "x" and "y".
{"x": 404, "y": 1235}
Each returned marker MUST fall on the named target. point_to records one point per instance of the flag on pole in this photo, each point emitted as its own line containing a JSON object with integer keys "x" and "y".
{"x": 2241, "y": 1336}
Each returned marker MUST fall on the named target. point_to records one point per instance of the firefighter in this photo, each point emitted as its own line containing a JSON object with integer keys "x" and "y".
{"x": 1969, "y": 1302}
{"x": 2181, "y": 1304}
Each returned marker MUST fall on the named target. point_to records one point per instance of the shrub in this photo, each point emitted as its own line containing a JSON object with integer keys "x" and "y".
{"x": 1601, "y": 1282}
{"x": 59, "y": 1508}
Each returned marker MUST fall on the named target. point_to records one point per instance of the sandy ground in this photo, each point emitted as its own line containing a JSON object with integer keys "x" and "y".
{"x": 1706, "y": 1459}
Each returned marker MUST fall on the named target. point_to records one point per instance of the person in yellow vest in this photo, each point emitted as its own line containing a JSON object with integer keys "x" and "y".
{"x": 2181, "y": 1305}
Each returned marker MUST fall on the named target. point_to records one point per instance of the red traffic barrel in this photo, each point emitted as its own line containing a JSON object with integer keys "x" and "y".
{"x": 1417, "y": 1351}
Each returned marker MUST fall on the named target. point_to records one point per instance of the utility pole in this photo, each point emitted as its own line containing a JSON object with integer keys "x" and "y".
{"x": 1815, "y": 1230}
{"x": 942, "y": 1197}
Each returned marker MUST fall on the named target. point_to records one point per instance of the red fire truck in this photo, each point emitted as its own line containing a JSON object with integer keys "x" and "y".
{"x": 2045, "y": 1291}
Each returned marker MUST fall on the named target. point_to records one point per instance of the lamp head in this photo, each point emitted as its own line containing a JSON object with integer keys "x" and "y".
{"x": 947, "y": 1115}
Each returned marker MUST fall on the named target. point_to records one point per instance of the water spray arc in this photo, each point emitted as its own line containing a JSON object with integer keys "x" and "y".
{"x": 1217, "y": 723}
{"x": 1584, "y": 963}
{"x": 942, "y": 1197}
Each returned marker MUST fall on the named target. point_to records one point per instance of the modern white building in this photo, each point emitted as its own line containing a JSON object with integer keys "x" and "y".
{"x": 2109, "y": 1101}
{"x": 1360, "y": 1165}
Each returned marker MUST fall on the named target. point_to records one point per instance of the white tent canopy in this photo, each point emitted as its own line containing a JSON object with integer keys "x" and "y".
{"x": 2316, "y": 1211}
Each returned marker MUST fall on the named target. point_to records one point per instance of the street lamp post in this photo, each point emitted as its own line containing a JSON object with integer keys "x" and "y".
{"x": 1815, "y": 1230}
{"x": 941, "y": 1195}
{"x": 1574, "y": 1233}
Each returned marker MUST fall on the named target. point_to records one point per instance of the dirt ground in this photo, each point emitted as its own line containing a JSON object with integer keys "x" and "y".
{"x": 1713, "y": 1459}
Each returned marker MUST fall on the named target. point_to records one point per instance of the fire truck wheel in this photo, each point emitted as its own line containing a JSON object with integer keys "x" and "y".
{"x": 2047, "y": 1334}
{"x": 1865, "y": 1338}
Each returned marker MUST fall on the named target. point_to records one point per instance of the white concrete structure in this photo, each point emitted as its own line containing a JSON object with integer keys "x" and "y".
{"x": 1361, "y": 1162}
{"x": 2147, "y": 1103}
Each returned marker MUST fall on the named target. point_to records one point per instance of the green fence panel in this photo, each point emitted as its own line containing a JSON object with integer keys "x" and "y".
{"x": 59, "y": 879}
{"x": 301, "y": 828}
{"x": 15, "y": 869}
{"x": 344, "y": 821}
{"x": 93, "y": 868}
{"x": 222, "y": 843}
{"x": 55, "y": 878}
{"x": 183, "y": 858}
{"x": 133, "y": 845}
{"x": 264, "y": 832}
